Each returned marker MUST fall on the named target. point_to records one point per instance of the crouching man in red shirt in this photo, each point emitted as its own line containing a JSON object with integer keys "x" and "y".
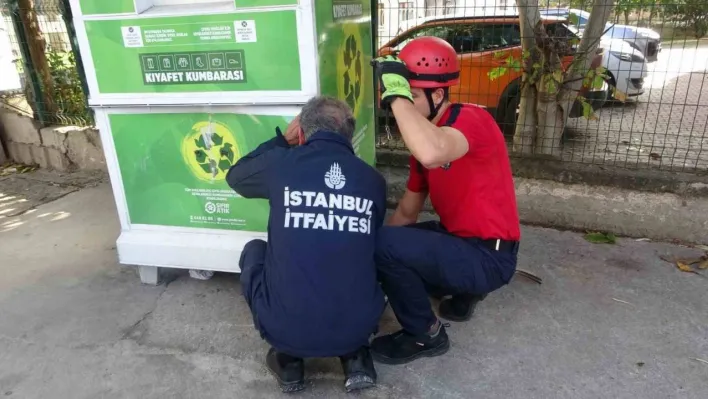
{"x": 459, "y": 158}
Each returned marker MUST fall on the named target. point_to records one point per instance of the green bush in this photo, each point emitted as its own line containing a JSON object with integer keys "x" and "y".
{"x": 68, "y": 91}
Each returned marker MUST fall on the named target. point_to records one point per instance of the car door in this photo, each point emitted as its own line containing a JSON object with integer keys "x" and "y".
{"x": 484, "y": 48}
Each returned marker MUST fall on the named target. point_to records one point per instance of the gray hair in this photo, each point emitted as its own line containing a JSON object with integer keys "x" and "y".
{"x": 324, "y": 113}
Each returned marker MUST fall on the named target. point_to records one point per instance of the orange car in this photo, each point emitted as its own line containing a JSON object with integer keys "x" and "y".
{"x": 483, "y": 44}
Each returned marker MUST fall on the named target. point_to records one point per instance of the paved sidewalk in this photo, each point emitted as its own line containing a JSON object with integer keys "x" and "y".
{"x": 607, "y": 322}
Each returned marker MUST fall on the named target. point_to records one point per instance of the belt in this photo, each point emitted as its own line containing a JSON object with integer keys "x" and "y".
{"x": 497, "y": 245}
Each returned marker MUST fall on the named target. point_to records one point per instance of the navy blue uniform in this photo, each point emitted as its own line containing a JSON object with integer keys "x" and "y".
{"x": 312, "y": 288}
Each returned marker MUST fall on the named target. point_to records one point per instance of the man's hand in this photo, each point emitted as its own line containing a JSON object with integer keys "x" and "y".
{"x": 393, "y": 78}
{"x": 292, "y": 133}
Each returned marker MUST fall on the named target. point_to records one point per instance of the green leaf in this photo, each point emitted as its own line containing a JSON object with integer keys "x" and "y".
{"x": 588, "y": 112}
{"x": 600, "y": 238}
{"x": 574, "y": 19}
{"x": 216, "y": 139}
{"x": 525, "y": 54}
{"x": 496, "y": 73}
{"x": 598, "y": 82}
{"x": 516, "y": 65}
{"x": 550, "y": 86}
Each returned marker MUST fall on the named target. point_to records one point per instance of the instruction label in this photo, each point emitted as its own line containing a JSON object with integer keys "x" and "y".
{"x": 182, "y": 34}
{"x": 132, "y": 36}
{"x": 193, "y": 67}
{"x": 245, "y": 31}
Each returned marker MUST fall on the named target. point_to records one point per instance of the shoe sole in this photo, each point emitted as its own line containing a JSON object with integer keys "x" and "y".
{"x": 466, "y": 317}
{"x": 288, "y": 387}
{"x": 441, "y": 350}
{"x": 358, "y": 383}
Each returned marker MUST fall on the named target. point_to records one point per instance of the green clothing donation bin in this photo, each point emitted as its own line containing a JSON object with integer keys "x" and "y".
{"x": 183, "y": 88}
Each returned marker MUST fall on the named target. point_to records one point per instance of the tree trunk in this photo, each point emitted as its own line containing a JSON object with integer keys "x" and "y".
{"x": 626, "y": 17}
{"x": 527, "y": 123}
{"x": 37, "y": 48}
{"x": 548, "y": 96}
{"x": 601, "y": 12}
{"x": 550, "y": 125}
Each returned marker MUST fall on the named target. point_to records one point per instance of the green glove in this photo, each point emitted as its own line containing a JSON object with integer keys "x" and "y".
{"x": 392, "y": 75}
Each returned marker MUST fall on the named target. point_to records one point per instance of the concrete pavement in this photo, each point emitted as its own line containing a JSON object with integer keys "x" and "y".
{"x": 609, "y": 321}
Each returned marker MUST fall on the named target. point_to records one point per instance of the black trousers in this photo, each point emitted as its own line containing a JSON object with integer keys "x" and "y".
{"x": 417, "y": 259}
{"x": 252, "y": 264}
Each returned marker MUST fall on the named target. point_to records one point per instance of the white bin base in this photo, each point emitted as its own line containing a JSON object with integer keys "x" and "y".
{"x": 219, "y": 251}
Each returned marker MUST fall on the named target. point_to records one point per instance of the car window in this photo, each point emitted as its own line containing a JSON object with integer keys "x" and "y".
{"x": 470, "y": 38}
{"x": 441, "y": 31}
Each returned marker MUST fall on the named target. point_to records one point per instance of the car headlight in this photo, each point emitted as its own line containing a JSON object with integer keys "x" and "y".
{"x": 627, "y": 56}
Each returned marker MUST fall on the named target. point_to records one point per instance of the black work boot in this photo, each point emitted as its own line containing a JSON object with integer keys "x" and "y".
{"x": 403, "y": 347}
{"x": 459, "y": 307}
{"x": 358, "y": 370}
{"x": 288, "y": 370}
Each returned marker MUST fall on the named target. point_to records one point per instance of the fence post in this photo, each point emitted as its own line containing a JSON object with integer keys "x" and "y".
{"x": 27, "y": 63}
{"x": 68, "y": 17}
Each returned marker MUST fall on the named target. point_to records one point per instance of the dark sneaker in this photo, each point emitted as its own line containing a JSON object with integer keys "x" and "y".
{"x": 402, "y": 347}
{"x": 288, "y": 370}
{"x": 459, "y": 307}
{"x": 359, "y": 370}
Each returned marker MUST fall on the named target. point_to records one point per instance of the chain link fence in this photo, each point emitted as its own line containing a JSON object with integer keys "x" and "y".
{"x": 42, "y": 73}
{"x": 654, "y": 110}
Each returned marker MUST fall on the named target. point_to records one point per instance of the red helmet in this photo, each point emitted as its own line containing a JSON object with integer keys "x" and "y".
{"x": 432, "y": 62}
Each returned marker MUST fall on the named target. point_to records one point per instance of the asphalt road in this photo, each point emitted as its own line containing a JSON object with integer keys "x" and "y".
{"x": 608, "y": 321}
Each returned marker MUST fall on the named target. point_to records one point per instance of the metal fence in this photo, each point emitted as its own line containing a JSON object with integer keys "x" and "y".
{"x": 655, "y": 54}
{"x": 42, "y": 72}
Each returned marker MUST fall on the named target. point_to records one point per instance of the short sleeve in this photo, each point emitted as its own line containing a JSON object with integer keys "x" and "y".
{"x": 465, "y": 124}
{"x": 417, "y": 181}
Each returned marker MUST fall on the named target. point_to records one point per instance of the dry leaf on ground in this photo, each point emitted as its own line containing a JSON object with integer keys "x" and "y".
{"x": 685, "y": 267}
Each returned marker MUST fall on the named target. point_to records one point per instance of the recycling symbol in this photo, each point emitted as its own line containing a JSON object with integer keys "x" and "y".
{"x": 210, "y": 150}
{"x": 350, "y": 67}
{"x": 352, "y": 75}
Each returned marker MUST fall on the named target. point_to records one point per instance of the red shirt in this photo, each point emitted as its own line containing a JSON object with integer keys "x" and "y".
{"x": 474, "y": 195}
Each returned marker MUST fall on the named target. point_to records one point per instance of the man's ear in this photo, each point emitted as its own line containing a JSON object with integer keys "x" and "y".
{"x": 438, "y": 96}
{"x": 301, "y": 136}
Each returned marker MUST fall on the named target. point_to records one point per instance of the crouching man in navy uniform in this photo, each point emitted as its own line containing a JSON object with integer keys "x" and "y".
{"x": 459, "y": 159}
{"x": 312, "y": 288}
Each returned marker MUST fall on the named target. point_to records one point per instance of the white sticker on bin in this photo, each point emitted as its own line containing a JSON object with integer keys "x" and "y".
{"x": 245, "y": 31}
{"x": 132, "y": 36}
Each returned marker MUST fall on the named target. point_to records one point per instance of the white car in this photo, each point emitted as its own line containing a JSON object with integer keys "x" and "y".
{"x": 646, "y": 40}
{"x": 626, "y": 68}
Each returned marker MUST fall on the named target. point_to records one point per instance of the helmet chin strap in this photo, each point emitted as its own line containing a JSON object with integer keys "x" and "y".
{"x": 434, "y": 109}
